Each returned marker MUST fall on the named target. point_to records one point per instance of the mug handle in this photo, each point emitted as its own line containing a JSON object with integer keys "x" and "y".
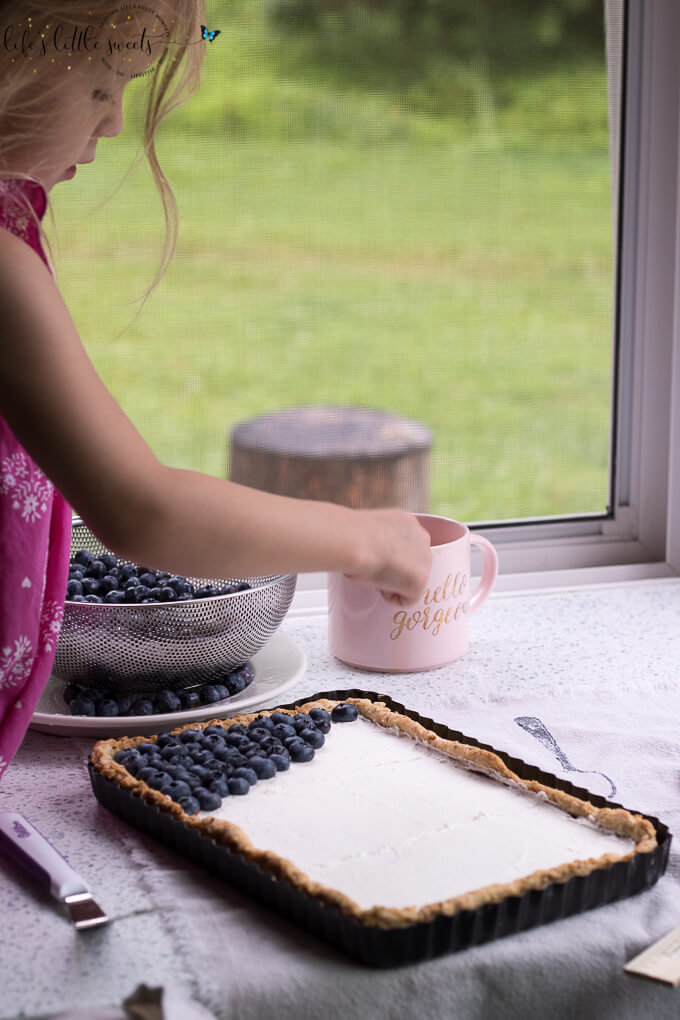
{"x": 489, "y": 571}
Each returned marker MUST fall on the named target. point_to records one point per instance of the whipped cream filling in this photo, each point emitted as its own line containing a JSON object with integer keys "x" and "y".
{"x": 388, "y": 821}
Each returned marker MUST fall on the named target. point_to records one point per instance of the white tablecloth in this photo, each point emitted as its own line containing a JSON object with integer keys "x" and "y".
{"x": 599, "y": 669}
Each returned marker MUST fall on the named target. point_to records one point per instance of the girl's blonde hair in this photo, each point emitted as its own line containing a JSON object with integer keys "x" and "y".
{"x": 174, "y": 78}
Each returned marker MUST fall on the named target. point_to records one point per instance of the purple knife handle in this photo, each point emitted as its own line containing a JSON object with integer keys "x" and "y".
{"x": 28, "y": 848}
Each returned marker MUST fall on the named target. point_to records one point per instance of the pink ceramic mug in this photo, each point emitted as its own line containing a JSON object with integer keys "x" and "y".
{"x": 366, "y": 630}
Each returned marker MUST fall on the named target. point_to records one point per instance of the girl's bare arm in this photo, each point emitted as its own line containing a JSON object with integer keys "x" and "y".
{"x": 177, "y": 520}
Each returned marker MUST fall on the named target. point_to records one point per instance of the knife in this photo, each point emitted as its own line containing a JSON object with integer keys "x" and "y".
{"x": 27, "y": 847}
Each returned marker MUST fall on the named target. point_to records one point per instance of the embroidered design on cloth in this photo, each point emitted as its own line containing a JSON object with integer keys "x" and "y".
{"x": 50, "y": 624}
{"x": 26, "y": 485}
{"x": 16, "y": 663}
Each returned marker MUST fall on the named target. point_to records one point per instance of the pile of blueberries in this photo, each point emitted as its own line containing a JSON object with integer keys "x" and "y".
{"x": 91, "y": 701}
{"x": 100, "y": 579}
{"x": 198, "y": 768}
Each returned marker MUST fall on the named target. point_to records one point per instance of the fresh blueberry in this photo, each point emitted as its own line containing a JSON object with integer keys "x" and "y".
{"x": 90, "y": 586}
{"x": 176, "y": 772}
{"x": 146, "y": 747}
{"x": 189, "y": 805}
{"x": 155, "y": 593}
{"x": 187, "y": 588}
{"x": 192, "y": 780}
{"x": 224, "y": 753}
{"x": 235, "y": 683}
{"x": 108, "y": 708}
{"x": 126, "y": 571}
{"x": 204, "y": 757}
{"x": 220, "y": 786}
{"x": 243, "y": 586}
{"x": 237, "y": 728}
{"x": 83, "y": 556}
{"x": 126, "y": 754}
{"x": 95, "y": 599}
{"x": 76, "y": 572}
{"x": 208, "y": 800}
{"x": 222, "y": 691}
{"x": 168, "y": 740}
{"x": 148, "y": 578}
{"x": 344, "y": 713}
{"x": 271, "y": 746}
{"x": 167, "y": 701}
{"x": 171, "y": 751}
{"x": 321, "y": 719}
{"x": 132, "y": 582}
{"x": 300, "y": 721}
{"x": 74, "y": 588}
{"x": 260, "y": 736}
{"x": 142, "y": 706}
{"x": 114, "y": 598}
{"x": 185, "y": 598}
{"x": 246, "y": 773}
{"x": 209, "y": 694}
{"x": 130, "y": 596}
{"x": 300, "y": 751}
{"x": 168, "y": 594}
{"x": 70, "y": 692}
{"x": 313, "y": 737}
{"x": 142, "y": 593}
{"x": 160, "y": 782}
{"x": 147, "y": 773}
{"x": 93, "y": 693}
{"x": 107, "y": 584}
{"x": 78, "y": 598}
{"x": 281, "y": 761}
{"x": 188, "y": 699}
{"x": 125, "y": 704}
{"x": 212, "y": 741}
{"x": 108, "y": 560}
{"x": 238, "y": 786}
{"x": 283, "y": 730}
{"x": 263, "y": 768}
{"x": 280, "y": 718}
{"x": 191, "y": 736}
{"x": 176, "y": 583}
{"x": 262, "y": 722}
{"x": 235, "y": 739}
{"x": 200, "y": 771}
{"x": 96, "y": 569}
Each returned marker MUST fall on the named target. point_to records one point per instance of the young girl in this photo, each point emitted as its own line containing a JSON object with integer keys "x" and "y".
{"x": 64, "y": 442}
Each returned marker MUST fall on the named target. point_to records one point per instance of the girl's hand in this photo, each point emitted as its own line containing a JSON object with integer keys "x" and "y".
{"x": 402, "y": 555}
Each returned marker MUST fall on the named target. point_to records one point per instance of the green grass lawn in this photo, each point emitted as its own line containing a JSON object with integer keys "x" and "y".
{"x": 469, "y": 291}
{"x": 339, "y": 245}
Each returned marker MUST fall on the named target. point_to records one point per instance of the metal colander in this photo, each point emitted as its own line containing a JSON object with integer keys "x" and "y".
{"x": 130, "y": 648}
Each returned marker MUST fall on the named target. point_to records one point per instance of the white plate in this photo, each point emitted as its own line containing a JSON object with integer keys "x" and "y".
{"x": 278, "y": 665}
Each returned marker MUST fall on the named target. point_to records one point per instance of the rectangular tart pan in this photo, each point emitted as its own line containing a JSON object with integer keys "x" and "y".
{"x": 377, "y": 947}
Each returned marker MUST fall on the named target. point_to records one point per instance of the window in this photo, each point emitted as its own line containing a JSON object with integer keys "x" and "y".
{"x": 341, "y": 245}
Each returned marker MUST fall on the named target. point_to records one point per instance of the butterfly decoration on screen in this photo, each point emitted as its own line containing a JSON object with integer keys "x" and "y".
{"x": 210, "y": 36}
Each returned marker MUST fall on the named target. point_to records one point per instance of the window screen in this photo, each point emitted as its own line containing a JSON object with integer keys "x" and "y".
{"x": 402, "y": 207}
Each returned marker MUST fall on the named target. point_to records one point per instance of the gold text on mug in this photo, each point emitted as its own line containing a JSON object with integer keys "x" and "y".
{"x": 426, "y": 619}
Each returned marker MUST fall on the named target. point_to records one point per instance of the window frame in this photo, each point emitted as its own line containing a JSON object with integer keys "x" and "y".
{"x": 639, "y": 538}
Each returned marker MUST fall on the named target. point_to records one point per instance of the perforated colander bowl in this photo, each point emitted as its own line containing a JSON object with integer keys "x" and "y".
{"x": 129, "y": 648}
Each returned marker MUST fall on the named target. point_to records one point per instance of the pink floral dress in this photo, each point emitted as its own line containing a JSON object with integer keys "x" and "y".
{"x": 35, "y": 537}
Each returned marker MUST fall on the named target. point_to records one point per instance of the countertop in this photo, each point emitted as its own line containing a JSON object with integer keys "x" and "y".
{"x": 599, "y": 667}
